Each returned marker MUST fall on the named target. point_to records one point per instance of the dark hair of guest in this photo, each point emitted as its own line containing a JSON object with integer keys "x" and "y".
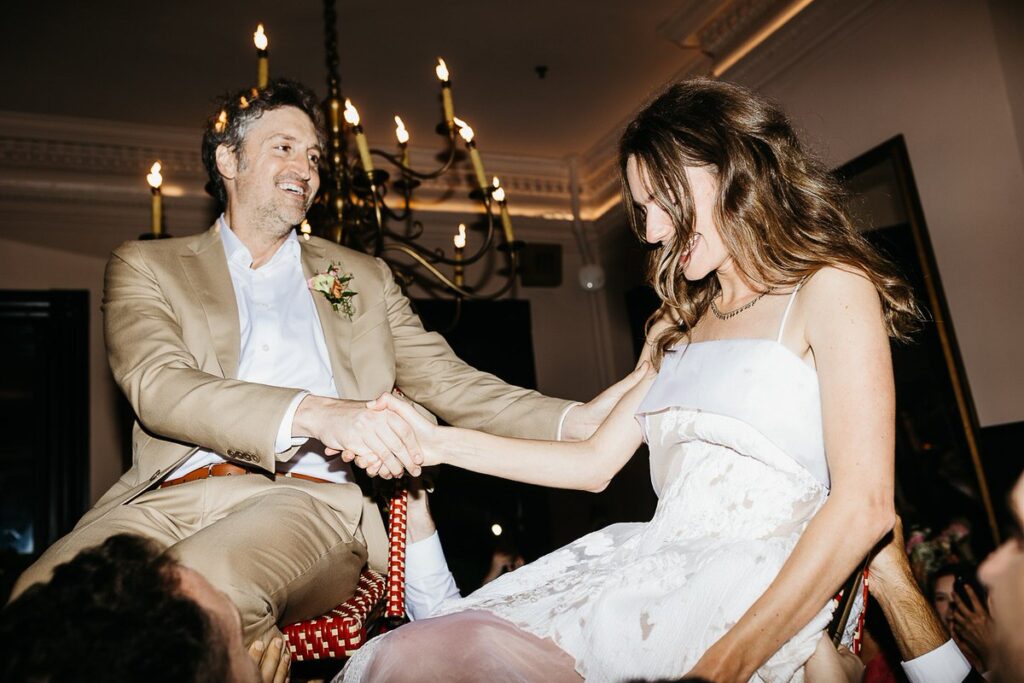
{"x": 113, "y": 613}
{"x": 778, "y": 210}
{"x": 235, "y": 112}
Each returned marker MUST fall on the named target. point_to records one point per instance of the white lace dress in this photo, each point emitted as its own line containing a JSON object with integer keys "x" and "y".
{"x": 738, "y": 462}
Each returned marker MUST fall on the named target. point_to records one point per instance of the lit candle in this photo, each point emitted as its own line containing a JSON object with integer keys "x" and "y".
{"x": 155, "y": 180}
{"x": 262, "y": 60}
{"x": 474, "y": 154}
{"x": 352, "y": 117}
{"x": 305, "y": 229}
{"x": 460, "y": 243}
{"x": 403, "y": 142}
{"x": 506, "y": 221}
{"x": 222, "y": 121}
{"x": 446, "y": 91}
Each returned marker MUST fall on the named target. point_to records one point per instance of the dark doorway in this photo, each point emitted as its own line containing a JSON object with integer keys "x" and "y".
{"x": 44, "y": 416}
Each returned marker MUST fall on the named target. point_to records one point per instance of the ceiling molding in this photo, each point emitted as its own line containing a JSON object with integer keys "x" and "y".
{"x": 52, "y": 165}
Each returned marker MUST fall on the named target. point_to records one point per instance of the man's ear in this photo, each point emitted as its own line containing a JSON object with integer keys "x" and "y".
{"x": 227, "y": 162}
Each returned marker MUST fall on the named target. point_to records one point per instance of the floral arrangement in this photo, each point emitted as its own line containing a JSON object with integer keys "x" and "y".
{"x": 333, "y": 284}
{"x": 928, "y": 551}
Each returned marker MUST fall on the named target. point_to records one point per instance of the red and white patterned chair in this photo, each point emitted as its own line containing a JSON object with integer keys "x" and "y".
{"x": 340, "y": 632}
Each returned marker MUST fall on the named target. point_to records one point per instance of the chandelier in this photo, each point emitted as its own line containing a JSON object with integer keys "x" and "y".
{"x": 369, "y": 208}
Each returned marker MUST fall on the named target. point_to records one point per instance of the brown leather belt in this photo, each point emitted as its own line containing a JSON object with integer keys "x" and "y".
{"x": 227, "y": 469}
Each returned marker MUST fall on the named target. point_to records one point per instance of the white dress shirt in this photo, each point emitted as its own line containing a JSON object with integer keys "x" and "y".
{"x": 944, "y": 664}
{"x": 282, "y": 344}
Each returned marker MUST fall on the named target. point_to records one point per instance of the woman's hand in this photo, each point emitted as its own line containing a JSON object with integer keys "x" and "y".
{"x": 401, "y": 412}
{"x": 972, "y": 627}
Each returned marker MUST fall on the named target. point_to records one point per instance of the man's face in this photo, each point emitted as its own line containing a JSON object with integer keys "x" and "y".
{"x": 225, "y": 618}
{"x": 272, "y": 180}
{"x": 1003, "y": 575}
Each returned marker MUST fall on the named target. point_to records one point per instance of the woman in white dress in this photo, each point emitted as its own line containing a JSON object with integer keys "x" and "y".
{"x": 770, "y": 425}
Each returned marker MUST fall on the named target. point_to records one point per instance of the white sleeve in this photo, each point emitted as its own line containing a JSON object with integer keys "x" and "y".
{"x": 428, "y": 581}
{"x": 561, "y": 420}
{"x": 944, "y": 664}
{"x": 285, "y": 440}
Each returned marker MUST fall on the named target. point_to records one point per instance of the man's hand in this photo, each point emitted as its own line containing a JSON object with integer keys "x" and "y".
{"x": 381, "y": 437}
{"x": 891, "y": 582}
{"x": 274, "y": 661}
{"x": 424, "y": 432}
{"x": 583, "y": 420}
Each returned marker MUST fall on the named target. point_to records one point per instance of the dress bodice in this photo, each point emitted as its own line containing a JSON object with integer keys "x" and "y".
{"x": 756, "y": 381}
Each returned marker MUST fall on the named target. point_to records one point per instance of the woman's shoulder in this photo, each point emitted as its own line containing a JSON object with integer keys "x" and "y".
{"x": 838, "y": 295}
{"x": 835, "y": 284}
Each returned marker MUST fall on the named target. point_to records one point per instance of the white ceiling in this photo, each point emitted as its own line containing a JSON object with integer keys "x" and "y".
{"x": 162, "y": 62}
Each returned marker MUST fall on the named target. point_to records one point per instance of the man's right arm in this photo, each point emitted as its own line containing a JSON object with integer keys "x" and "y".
{"x": 162, "y": 379}
{"x": 929, "y": 655}
{"x": 177, "y": 399}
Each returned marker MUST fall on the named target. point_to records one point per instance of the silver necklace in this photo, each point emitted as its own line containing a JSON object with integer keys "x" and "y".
{"x": 730, "y": 314}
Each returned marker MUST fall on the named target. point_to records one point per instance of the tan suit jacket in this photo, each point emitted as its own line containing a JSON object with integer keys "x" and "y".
{"x": 173, "y": 340}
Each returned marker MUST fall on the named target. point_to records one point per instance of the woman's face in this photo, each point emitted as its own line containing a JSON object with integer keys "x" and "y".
{"x": 705, "y": 250}
{"x": 943, "y": 598}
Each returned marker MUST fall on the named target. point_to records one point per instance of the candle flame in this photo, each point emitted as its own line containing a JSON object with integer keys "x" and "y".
{"x": 460, "y": 239}
{"x": 222, "y": 121}
{"x": 154, "y": 178}
{"x": 260, "y": 38}
{"x": 441, "y": 70}
{"x": 305, "y": 228}
{"x": 464, "y": 130}
{"x": 243, "y": 103}
{"x": 351, "y": 113}
{"x": 498, "y": 193}
{"x": 400, "y": 132}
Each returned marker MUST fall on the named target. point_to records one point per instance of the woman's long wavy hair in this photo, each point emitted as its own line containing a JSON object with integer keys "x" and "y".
{"x": 779, "y": 211}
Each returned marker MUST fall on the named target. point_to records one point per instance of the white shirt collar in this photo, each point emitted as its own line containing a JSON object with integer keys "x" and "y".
{"x": 239, "y": 254}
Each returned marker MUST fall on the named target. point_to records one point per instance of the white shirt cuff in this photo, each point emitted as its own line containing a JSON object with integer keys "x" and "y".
{"x": 428, "y": 581}
{"x": 285, "y": 440}
{"x": 944, "y": 664}
{"x": 561, "y": 420}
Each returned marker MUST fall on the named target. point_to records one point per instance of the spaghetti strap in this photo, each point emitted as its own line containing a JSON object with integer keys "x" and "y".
{"x": 792, "y": 297}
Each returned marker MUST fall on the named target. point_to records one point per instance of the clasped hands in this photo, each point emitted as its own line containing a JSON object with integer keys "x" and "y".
{"x": 388, "y": 438}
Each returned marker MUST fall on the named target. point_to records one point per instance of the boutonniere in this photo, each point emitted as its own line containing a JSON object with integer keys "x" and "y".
{"x": 333, "y": 284}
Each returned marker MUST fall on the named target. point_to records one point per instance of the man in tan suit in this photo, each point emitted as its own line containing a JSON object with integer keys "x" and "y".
{"x": 234, "y": 366}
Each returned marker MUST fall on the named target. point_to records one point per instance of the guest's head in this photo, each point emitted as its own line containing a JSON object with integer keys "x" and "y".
{"x": 1002, "y": 574}
{"x": 262, "y": 148}
{"x": 716, "y": 176}
{"x": 123, "y": 611}
{"x": 943, "y": 595}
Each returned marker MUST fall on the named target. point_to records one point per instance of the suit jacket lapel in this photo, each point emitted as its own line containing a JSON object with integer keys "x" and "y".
{"x": 206, "y": 266}
{"x": 336, "y": 325}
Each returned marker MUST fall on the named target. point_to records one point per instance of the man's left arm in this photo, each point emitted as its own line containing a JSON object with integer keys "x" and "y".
{"x": 430, "y": 373}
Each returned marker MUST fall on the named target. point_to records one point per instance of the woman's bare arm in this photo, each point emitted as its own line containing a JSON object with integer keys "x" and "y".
{"x": 846, "y": 334}
{"x": 587, "y": 465}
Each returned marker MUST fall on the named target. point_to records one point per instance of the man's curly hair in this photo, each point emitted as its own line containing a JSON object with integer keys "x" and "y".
{"x": 235, "y": 113}
{"x": 113, "y": 613}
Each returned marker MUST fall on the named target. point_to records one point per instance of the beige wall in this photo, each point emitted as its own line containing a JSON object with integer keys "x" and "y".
{"x": 935, "y": 73}
{"x": 25, "y": 266}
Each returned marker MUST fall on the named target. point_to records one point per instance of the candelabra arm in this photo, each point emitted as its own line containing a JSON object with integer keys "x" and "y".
{"x": 443, "y": 279}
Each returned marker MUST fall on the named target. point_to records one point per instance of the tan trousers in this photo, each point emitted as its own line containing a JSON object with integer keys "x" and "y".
{"x": 282, "y": 550}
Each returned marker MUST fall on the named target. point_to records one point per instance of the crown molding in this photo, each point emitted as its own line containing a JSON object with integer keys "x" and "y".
{"x": 52, "y": 167}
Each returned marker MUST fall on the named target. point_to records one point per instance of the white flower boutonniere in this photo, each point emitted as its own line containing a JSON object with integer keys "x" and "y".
{"x": 333, "y": 284}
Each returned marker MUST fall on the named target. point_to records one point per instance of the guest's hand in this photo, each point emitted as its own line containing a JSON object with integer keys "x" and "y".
{"x": 972, "y": 627}
{"x": 273, "y": 660}
{"x": 583, "y": 420}
{"x": 890, "y": 566}
{"x": 383, "y": 439}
